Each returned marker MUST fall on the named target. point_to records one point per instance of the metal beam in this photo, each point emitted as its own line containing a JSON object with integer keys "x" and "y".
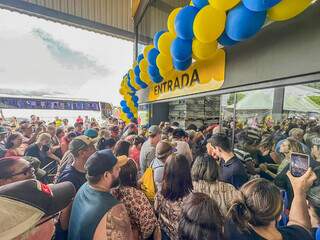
{"x": 64, "y": 18}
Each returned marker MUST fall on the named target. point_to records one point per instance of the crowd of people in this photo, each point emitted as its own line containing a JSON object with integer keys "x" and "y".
{"x": 115, "y": 181}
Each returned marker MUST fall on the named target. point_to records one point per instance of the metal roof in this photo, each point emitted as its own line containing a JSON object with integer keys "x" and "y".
{"x": 111, "y": 17}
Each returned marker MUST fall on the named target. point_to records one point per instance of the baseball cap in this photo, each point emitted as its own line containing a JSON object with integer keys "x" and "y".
{"x": 179, "y": 133}
{"x": 154, "y": 130}
{"x": 3, "y": 130}
{"x": 103, "y": 161}
{"x": 91, "y": 133}
{"x": 24, "y": 203}
{"x": 79, "y": 143}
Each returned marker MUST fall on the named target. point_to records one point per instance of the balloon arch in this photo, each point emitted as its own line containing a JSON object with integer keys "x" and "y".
{"x": 193, "y": 34}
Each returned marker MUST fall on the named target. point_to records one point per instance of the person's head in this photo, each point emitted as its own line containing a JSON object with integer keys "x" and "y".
{"x": 78, "y": 126}
{"x": 103, "y": 168}
{"x": 3, "y": 133}
{"x": 179, "y": 134}
{"x": 219, "y": 144}
{"x": 138, "y": 141}
{"x": 60, "y": 133}
{"x": 128, "y": 175}
{"x": 106, "y": 143}
{"x": 177, "y": 181}
{"x": 71, "y": 135}
{"x": 114, "y": 130}
{"x": 313, "y": 198}
{"x": 52, "y": 130}
{"x": 175, "y": 125}
{"x": 163, "y": 149}
{"x": 122, "y": 148}
{"x": 315, "y": 149}
{"x": 65, "y": 122}
{"x": 290, "y": 145}
{"x": 70, "y": 129}
{"x": 192, "y": 127}
{"x": 154, "y": 134}
{"x": 43, "y": 139}
{"x": 200, "y": 219}
{"x": 26, "y": 128}
{"x": 205, "y": 168}
{"x": 104, "y": 133}
{"x": 82, "y": 148}
{"x": 259, "y": 203}
{"x": 13, "y": 169}
{"x": 296, "y": 133}
{"x": 14, "y": 140}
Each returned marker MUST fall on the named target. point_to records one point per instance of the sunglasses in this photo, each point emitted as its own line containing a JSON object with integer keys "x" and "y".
{"x": 28, "y": 170}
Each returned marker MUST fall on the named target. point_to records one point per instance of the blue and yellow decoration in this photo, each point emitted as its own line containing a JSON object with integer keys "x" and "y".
{"x": 192, "y": 36}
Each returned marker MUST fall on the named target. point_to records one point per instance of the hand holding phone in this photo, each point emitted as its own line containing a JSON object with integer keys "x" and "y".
{"x": 299, "y": 164}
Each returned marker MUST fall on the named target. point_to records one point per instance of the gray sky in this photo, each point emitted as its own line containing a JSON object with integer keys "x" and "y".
{"x": 53, "y": 59}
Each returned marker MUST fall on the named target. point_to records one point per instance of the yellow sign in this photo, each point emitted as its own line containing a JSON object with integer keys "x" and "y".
{"x": 201, "y": 77}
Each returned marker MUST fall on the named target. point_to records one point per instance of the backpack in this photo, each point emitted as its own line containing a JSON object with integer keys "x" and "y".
{"x": 148, "y": 185}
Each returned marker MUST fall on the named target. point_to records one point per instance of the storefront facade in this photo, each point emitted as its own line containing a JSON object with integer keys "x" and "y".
{"x": 274, "y": 74}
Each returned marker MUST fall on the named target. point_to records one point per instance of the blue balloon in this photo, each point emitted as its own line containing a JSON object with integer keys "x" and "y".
{"x": 136, "y": 70}
{"x": 135, "y": 98}
{"x": 181, "y": 50}
{"x": 130, "y": 115}
{"x": 152, "y": 56}
{"x": 260, "y": 5}
{"x": 125, "y": 109}
{"x": 123, "y": 103}
{"x": 182, "y": 65}
{"x": 183, "y": 23}
{"x": 224, "y": 40}
{"x": 156, "y": 79}
{"x": 200, "y": 3}
{"x": 140, "y": 57}
{"x": 136, "y": 104}
{"x": 243, "y": 23}
{"x": 130, "y": 86}
{"x": 140, "y": 82}
{"x": 153, "y": 71}
{"x": 156, "y": 38}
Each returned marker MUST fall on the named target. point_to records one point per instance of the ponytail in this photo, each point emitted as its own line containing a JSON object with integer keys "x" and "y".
{"x": 239, "y": 213}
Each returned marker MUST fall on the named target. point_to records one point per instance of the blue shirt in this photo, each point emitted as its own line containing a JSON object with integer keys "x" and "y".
{"x": 233, "y": 172}
{"x": 70, "y": 174}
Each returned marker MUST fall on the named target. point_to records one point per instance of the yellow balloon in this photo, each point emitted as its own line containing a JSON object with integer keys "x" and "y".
{"x": 127, "y": 98}
{"x": 209, "y": 24}
{"x": 223, "y": 4}
{"x": 287, "y": 9}
{"x": 191, "y": 3}
{"x": 130, "y": 104}
{"x": 123, "y": 116}
{"x": 122, "y": 91}
{"x": 164, "y": 43}
{"x": 132, "y": 80}
{"x": 164, "y": 62}
{"x": 146, "y": 51}
{"x": 145, "y": 77}
{"x": 143, "y": 65}
{"x": 165, "y": 74}
{"x": 134, "y": 64}
{"x": 204, "y": 50}
{"x": 171, "y": 19}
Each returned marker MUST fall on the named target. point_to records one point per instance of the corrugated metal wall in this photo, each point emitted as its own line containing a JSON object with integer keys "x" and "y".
{"x": 115, "y": 13}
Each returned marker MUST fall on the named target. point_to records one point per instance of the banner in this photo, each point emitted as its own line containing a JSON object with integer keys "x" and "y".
{"x": 202, "y": 76}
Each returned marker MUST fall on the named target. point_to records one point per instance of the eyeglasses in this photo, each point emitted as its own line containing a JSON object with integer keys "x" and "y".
{"x": 28, "y": 170}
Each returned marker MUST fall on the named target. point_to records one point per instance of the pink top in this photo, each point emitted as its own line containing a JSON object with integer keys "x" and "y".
{"x": 134, "y": 153}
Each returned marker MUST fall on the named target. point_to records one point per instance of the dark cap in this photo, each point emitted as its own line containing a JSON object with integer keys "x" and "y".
{"x": 164, "y": 149}
{"x": 102, "y": 161}
{"x": 50, "y": 199}
{"x": 79, "y": 143}
{"x": 179, "y": 133}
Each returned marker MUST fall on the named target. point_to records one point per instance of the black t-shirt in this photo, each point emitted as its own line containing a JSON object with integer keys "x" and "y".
{"x": 233, "y": 172}
{"x": 70, "y": 174}
{"x": 293, "y": 232}
{"x": 34, "y": 151}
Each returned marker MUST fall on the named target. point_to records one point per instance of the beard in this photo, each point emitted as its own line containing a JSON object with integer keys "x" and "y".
{"x": 115, "y": 183}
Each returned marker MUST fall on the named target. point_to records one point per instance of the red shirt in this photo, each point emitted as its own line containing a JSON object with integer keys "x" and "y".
{"x": 64, "y": 144}
{"x": 134, "y": 153}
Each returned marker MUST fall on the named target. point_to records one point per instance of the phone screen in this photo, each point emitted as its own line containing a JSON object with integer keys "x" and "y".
{"x": 299, "y": 164}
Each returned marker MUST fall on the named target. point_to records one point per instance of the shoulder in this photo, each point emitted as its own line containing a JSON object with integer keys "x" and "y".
{"x": 295, "y": 232}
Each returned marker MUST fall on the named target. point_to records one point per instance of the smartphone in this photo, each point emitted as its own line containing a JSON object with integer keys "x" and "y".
{"x": 299, "y": 164}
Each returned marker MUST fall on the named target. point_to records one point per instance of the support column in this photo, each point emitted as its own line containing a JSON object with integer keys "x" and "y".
{"x": 278, "y": 102}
